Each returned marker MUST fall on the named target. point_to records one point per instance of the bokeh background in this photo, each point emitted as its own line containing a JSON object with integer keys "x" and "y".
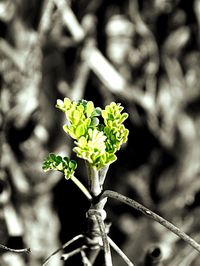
{"x": 141, "y": 53}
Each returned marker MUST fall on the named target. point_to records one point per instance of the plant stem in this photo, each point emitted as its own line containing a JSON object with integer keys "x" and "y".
{"x": 120, "y": 252}
{"x": 64, "y": 246}
{"x": 102, "y": 175}
{"x": 45, "y": 21}
{"x": 152, "y": 215}
{"x": 81, "y": 187}
{"x": 85, "y": 260}
{"x": 106, "y": 246}
{"x": 24, "y": 250}
{"x": 95, "y": 187}
{"x": 72, "y": 253}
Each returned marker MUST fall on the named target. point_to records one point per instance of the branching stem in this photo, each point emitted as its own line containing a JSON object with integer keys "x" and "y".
{"x": 72, "y": 253}
{"x": 152, "y": 215}
{"x": 64, "y": 246}
{"x": 106, "y": 246}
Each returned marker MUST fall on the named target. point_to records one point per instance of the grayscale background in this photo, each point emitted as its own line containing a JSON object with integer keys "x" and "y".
{"x": 142, "y": 53}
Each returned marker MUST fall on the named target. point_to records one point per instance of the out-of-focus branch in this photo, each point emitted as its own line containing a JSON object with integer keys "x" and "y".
{"x": 23, "y": 250}
{"x": 70, "y": 20}
{"x": 18, "y": 178}
{"x": 12, "y": 54}
{"x": 46, "y": 18}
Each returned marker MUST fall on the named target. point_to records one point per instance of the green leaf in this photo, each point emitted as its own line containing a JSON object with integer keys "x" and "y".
{"x": 67, "y": 102}
{"x": 56, "y": 162}
{"x": 83, "y": 102}
{"x": 82, "y": 141}
{"x": 123, "y": 117}
{"x": 66, "y": 159}
{"x": 58, "y": 159}
{"x": 80, "y": 131}
{"x": 52, "y": 156}
{"x": 94, "y": 142}
{"x": 96, "y": 112}
{"x": 89, "y": 108}
{"x": 72, "y": 164}
{"x": 76, "y": 115}
{"x": 60, "y": 166}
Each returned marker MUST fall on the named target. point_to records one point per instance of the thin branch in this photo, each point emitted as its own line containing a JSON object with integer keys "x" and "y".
{"x": 64, "y": 246}
{"x": 70, "y": 20}
{"x": 152, "y": 215}
{"x": 24, "y": 250}
{"x": 85, "y": 260}
{"x": 106, "y": 246}
{"x": 81, "y": 187}
{"x": 120, "y": 252}
{"x": 18, "y": 178}
{"x": 12, "y": 54}
{"x": 72, "y": 253}
{"x": 46, "y": 19}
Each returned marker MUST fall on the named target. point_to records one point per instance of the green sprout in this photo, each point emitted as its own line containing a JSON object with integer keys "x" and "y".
{"x": 95, "y": 142}
{"x": 65, "y": 166}
{"x": 98, "y": 134}
{"x": 62, "y": 164}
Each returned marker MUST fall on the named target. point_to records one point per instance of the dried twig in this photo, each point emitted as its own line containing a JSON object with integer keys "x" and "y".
{"x": 120, "y": 252}
{"x": 61, "y": 248}
{"x": 66, "y": 256}
{"x": 134, "y": 204}
{"x": 23, "y": 250}
{"x": 70, "y": 20}
{"x": 12, "y": 54}
{"x": 85, "y": 260}
{"x": 46, "y": 20}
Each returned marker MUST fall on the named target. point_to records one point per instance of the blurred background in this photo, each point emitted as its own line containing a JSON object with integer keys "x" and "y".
{"x": 141, "y": 53}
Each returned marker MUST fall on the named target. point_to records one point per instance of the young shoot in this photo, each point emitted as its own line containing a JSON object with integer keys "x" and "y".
{"x": 98, "y": 134}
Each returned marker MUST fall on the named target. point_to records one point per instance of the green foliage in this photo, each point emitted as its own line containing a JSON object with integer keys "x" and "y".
{"x": 62, "y": 164}
{"x": 95, "y": 142}
{"x": 114, "y": 130}
{"x": 81, "y": 116}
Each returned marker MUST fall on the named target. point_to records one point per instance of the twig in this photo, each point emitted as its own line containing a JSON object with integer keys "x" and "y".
{"x": 106, "y": 246}
{"x": 23, "y": 250}
{"x": 70, "y": 20}
{"x": 80, "y": 81}
{"x": 18, "y": 178}
{"x": 81, "y": 187}
{"x": 120, "y": 252}
{"x": 64, "y": 246}
{"x": 72, "y": 253}
{"x": 152, "y": 215}
{"x": 7, "y": 50}
{"x": 105, "y": 71}
{"x": 46, "y": 20}
{"x": 85, "y": 260}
